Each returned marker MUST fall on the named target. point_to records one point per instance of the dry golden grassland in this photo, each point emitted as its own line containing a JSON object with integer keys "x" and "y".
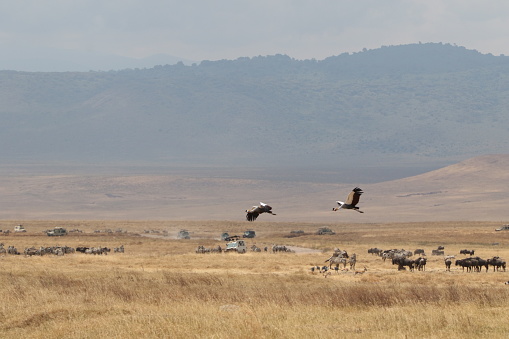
{"x": 160, "y": 288}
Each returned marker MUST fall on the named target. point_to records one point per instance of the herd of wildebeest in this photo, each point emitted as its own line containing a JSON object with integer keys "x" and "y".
{"x": 404, "y": 259}
{"x": 58, "y": 250}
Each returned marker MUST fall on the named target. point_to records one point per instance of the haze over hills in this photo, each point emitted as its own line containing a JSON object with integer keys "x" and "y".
{"x": 61, "y": 60}
{"x": 369, "y": 115}
{"x": 474, "y": 189}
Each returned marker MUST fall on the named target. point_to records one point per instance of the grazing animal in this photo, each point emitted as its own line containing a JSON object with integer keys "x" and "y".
{"x": 448, "y": 263}
{"x": 375, "y": 250}
{"x": 497, "y": 263}
{"x": 255, "y": 211}
{"x": 402, "y": 262}
{"x": 472, "y": 264}
{"x": 353, "y": 261}
{"x": 255, "y": 248}
{"x": 351, "y": 201}
{"x": 420, "y": 263}
{"x": 12, "y": 250}
{"x": 338, "y": 257}
{"x": 419, "y": 251}
{"x": 119, "y": 249}
{"x": 336, "y": 261}
{"x": 361, "y": 272}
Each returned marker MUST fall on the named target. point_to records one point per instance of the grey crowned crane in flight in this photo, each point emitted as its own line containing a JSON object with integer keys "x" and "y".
{"x": 351, "y": 201}
{"x": 254, "y": 212}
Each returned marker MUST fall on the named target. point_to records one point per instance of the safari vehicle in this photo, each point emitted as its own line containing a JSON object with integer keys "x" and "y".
{"x": 238, "y": 246}
{"x": 232, "y": 238}
{"x": 19, "y": 228}
{"x": 325, "y": 231}
{"x": 183, "y": 234}
{"x": 503, "y": 228}
{"x": 57, "y": 231}
{"x": 224, "y": 236}
{"x": 249, "y": 234}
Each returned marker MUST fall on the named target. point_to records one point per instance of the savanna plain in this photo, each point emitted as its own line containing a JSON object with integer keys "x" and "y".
{"x": 161, "y": 288}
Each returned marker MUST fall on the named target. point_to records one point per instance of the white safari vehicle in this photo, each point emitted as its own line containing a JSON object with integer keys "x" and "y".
{"x": 19, "y": 228}
{"x": 238, "y": 246}
{"x": 503, "y": 228}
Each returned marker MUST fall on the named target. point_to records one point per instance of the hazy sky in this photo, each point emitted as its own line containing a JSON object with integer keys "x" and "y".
{"x": 228, "y": 29}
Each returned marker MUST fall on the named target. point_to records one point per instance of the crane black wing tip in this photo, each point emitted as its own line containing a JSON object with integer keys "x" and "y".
{"x": 251, "y": 217}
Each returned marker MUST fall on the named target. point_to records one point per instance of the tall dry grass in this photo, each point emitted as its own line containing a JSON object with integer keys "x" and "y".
{"x": 160, "y": 288}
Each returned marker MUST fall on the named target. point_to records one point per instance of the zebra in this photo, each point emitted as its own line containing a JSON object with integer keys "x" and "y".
{"x": 119, "y": 249}
{"x": 255, "y": 248}
{"x": 217, "y": 249}
{"x": 30, "y": 251}
{"x": 336, "y": 261}
{"x": 353, "y": 261}
{"x": 12, "y": 250}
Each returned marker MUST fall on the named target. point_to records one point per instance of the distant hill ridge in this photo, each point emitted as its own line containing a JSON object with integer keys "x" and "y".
{"x": 410, "y": 105}
{"x": 491, "y": 170}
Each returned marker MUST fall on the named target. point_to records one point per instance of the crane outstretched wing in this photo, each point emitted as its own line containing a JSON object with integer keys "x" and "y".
{"x": 354, "y": 196}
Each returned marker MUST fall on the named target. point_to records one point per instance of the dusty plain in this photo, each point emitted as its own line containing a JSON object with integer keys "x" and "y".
{"x": 474, "y": 189}
{"x": 161, "y": 288}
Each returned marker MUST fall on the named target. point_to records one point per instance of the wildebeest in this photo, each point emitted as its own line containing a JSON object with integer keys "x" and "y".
{"x": 497, "y": 263}
{"x": 374, "y": 250}
{"x": 402, "y": 262}
{"x": 472, "y": 264}
{"x": 448, "y": 262}
{"x": 465, "y": 252}
{"x": 420, "y": 263}
{"x": 437, "y": 252}
{"x": 419, "y": 251}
